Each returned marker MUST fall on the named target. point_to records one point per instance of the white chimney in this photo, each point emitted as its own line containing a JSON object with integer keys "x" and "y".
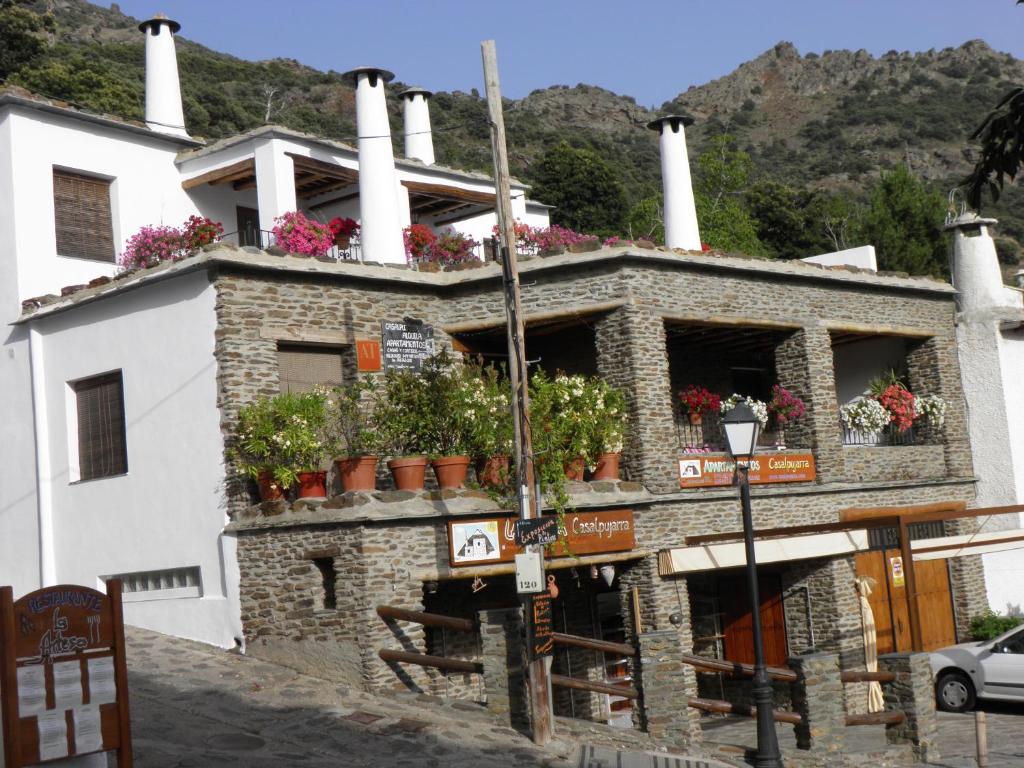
{"x": 680, "y": 212}
{"x": 419, "y": 141}
{"x": 381, "y": 229}
{"x": 976, "y": 274}
{"x": 163, "y": 91}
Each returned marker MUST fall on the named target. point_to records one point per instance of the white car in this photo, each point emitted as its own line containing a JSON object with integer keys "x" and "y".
{"x": 991, "y": 669}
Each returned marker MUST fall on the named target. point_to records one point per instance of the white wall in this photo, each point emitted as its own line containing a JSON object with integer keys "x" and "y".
{"x": 19, "y": 533}
{"x": 168, "y": 510}
{"x": 862, "y": 257}
{"x": 859, "y": 362}
{"x": 145, "y": 189}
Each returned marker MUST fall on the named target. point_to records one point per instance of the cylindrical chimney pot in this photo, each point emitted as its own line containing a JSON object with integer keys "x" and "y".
{"x": 163, "y": 89}
{"x": 419, "y": 141}
{"x": 976, "y": 273}
{"x": 381, "y": 229}
{"x": 681, "y": 229}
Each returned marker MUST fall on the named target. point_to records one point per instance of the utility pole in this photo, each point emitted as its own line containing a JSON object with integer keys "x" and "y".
{"x": 539, "y": 677}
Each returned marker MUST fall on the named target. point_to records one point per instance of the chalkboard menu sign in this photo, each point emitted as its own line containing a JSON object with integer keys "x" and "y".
{"x": 406, "y": 344}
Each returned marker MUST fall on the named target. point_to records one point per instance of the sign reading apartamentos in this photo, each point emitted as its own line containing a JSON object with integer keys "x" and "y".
{"x": 406, "y": 344}
{"x": 701, "y": 470}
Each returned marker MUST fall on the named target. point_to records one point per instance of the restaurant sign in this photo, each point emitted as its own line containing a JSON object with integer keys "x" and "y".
{"x": 406, "y": 344}
{"x": 702, "y": 470}
{"x": 493, "y": 539}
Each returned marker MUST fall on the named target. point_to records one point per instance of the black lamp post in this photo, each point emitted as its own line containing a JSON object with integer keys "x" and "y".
{"x": 741, "y": 430}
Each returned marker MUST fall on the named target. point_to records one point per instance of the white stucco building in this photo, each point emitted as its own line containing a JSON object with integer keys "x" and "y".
{"x": 990, "y": 338}
{"x": 73, "y": 188}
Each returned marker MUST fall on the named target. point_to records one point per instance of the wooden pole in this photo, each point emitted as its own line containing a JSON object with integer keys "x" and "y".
{"x": 911, "y": 585}
{"x": 539, "y": 677}
{"x": 125, "y": 755}
{"x": 981, "y": 738}
{"x": 9, "y": 726}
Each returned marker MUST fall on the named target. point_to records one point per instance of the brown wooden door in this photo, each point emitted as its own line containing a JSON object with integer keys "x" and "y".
{"x": 889, "y": 602}
{"x": 738, "y": 626}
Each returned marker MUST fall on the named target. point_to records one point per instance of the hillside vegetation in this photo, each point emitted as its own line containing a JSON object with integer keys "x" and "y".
{"x": 812, "y": 135}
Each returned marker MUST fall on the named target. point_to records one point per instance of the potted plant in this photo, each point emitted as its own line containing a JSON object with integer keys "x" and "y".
{"x": 563, "y": 407}
{"x": 400, "y": 417}
{"x": 279, "y": 441}
{"x": 419, "y": 239}
{"x": 351, "y": 423}
{"x": 447, "y": 423}
{"x": 490, "y": 423}
{"x": 696, "y": 401}
{"x": 865, "y": 415}
{"x": 785, "y": 407}
{"x": 609, "y": 430}
{"x": 343, "y": 229}
{"x": 932, "y": 409}
{"x": 296, "y": 233}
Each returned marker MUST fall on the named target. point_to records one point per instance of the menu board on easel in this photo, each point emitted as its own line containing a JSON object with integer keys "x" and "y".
{"x": 63, "y": 675}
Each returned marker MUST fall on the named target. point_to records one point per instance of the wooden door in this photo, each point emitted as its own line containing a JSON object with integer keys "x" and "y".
{"x": 738, "y": 625}
{"x": 889, "y": 602}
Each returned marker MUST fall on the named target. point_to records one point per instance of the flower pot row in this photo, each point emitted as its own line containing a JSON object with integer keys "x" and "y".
{"x": 359, "y": 473}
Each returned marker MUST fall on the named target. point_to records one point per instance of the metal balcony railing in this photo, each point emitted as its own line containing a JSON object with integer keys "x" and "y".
{"x": 263, "y": 239}
{"x": 889, "y": 436}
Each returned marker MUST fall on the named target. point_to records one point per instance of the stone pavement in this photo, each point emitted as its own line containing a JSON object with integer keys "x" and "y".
{"x": 956, "y": 739}
{"x": 198, "y": 707}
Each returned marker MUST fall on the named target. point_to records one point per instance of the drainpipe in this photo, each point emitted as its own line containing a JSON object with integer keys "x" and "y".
{"x": 680, "y": 210}
{"x": 44, "y": 474}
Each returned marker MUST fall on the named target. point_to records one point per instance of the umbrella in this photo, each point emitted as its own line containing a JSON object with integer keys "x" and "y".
{"x": 876, "y": 702}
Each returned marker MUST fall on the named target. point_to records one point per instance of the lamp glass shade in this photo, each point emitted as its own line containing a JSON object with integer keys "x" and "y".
{"x": 741, "y": 430}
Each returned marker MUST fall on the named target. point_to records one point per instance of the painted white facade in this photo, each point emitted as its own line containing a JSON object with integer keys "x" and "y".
{"x": 167, "y": 513}
{"x": 862, "y": 257}
{"x": 990, "y": 344}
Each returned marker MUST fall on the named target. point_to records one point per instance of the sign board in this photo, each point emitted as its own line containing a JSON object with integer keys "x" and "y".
{"x": 898, "y": 577}
{"x": 529, "y": 573}
{"x": 63, "y": 675}
{"x": 484, "y": 541}
{"x": 702, "y": 470}
{"x": 538, "y": 530}
{"x": 367, "y": 355}
{"x": 406, "y": 344}
{"x": 540, "y": 628}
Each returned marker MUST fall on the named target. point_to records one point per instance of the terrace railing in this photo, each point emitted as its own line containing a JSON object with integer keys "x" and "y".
{"x": 263, "y": 239}
{"x": 889, "y": 436}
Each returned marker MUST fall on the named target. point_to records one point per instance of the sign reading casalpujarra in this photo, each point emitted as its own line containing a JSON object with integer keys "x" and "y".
{"x": 700, "y": 470}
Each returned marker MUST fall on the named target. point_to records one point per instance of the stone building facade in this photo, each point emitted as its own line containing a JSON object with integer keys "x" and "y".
{"x": 387, "y": 549}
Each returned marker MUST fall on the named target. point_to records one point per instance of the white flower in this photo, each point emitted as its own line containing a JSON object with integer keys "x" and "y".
{"x": 865, "y": 415}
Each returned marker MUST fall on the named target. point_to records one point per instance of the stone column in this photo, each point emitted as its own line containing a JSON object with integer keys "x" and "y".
{"x": 913, "y": 693}
{"x": 804, "y": 365}
{"x": 501, "y": 648}
{"x": 632, "y": 355}
{"x": 818, "y": 698}
{"x": 666, "y": 682}
{"x": 933, "y": 368}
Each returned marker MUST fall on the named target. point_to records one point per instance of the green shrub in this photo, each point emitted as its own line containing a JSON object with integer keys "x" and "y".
{"x": 991, "y": 625}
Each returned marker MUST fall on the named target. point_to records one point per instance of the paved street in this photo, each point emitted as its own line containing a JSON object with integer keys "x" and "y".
{"x": 194, "y": 707}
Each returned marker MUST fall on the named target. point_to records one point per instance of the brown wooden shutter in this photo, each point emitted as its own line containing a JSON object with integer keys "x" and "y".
{"x": 301, "y": 368}
{"x": 101, "y": 441}
{"x": 81, "y": 208}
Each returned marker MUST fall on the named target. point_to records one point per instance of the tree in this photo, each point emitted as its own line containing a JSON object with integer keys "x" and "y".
{"x": 1002, "y": 147}
{"x": 904, "y": 221}
{"x": 790, "y": 222}
{"x": 584, "y": 189}
{"x": 722, "y": 175}
{"x": 21, "y": 40}
{"x": 646, "y": 220}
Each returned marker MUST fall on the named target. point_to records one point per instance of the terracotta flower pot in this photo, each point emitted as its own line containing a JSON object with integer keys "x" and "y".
{"x": 312, "y": 485}
{"x": 574, "y": 468}
{"x": 607, "y": 466}
{"x": 696, "y": 418}
{"x": 408, "y": 473}
{"x": 358, "y": 473}
{"x": 450, "y": 471}
{"x": 343, "y": 241}
{"x": 492, "y": 471}
{"x": 270, "y": 489}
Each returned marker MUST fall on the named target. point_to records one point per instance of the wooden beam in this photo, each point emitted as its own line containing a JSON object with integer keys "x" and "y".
{"x": 222, "y": 175}
{"x": 854, "y": 514}
{"x": 444, "y": 192}
{"x": 330, "y": 170}
{"x": 727, "y": 320}
{"x": 536, "y": 317}
{"x": 864, "y": 329}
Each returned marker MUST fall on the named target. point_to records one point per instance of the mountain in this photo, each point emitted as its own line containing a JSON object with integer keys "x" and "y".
{"x": 832, "y": 121}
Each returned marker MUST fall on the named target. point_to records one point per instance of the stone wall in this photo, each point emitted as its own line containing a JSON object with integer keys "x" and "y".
{"x": 894, "y": 462}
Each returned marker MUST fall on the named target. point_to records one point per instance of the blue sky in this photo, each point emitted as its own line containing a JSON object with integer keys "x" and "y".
{"x": 650, "y": 49}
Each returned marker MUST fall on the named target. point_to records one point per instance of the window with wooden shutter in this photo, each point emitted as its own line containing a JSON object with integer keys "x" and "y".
{"x": 81, "y": 213}
{"x": 102, "y": 451}
{"x": 303, "y": 367}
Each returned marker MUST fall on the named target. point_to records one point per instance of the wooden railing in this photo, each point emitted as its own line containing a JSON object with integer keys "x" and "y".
{"x": 428, "y": 620}
{"x": 744, "y": 710}
{"x": 426, "y": 660}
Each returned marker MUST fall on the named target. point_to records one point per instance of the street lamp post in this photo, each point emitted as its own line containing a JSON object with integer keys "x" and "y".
{"x": 741, "y": 429}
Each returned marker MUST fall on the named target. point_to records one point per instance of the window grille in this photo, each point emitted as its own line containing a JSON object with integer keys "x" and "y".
{"x": 161, "y": 581}
{"x": 301, "y": 368}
